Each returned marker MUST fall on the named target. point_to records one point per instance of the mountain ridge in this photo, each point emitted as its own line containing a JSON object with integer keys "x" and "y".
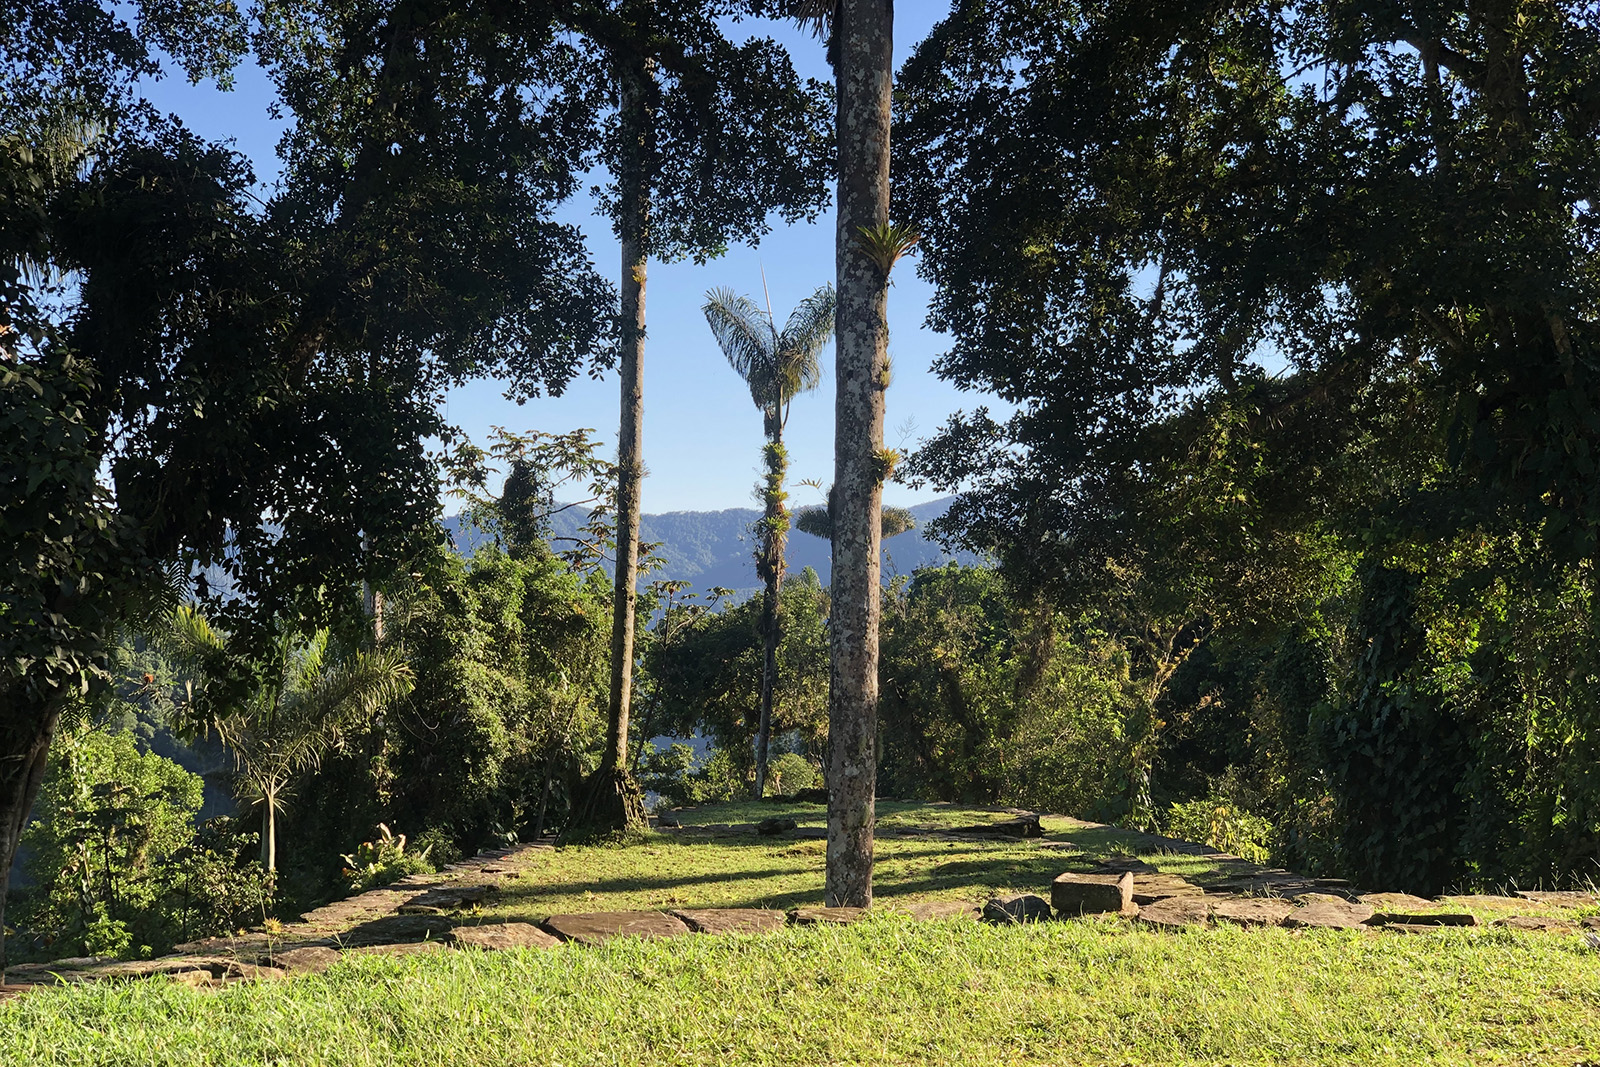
{"x": 715, "y": 548}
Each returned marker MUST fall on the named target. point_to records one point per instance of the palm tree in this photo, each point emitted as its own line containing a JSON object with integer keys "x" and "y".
{"x": 777, "y": 366}
{"x": 818, "y": 521}
{"x": 293, "y": 717}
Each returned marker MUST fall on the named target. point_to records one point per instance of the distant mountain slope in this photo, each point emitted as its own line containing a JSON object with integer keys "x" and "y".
{"x": 708, "y": 548}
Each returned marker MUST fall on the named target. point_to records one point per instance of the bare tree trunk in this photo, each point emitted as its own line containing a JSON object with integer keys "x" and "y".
{"x": 864, "y": 42}
{"x": 613, "y": 800}
{"x": 24, "y": 755}
{"x": 269, "y": 832}
{"x": 773, "y": 542}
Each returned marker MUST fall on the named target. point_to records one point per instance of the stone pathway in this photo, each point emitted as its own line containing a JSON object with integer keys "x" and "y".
{"x": 415, "y": 915}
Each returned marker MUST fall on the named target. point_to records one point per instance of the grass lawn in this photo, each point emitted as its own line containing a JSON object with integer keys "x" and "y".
{"x": 886, "y": 990}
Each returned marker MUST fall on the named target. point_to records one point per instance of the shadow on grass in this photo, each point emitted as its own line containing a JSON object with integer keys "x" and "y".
{"x": 970, "y": 877}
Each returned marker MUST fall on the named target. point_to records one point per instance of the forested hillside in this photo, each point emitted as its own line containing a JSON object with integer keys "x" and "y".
{"x": 715, "y": 548}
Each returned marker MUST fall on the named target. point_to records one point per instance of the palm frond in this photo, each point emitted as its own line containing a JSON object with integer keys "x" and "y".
{"x": 746, "y": 336}
{"x": 815, "y": 521}
{"x": 815, "y": 16}
{"x": 312, "y": 720}
{"x": 304, "y": 665}
{"x": 896, "y": 521}
{"x": 808, "y": 330}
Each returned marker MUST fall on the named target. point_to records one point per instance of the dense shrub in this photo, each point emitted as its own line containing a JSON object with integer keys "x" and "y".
{"x": 117, "y": 864}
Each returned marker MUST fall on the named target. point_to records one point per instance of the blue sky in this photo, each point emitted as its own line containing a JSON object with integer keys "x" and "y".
{"x": 702, "y": 433}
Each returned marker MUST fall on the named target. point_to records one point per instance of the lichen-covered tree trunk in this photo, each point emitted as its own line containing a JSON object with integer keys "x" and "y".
{"x": 864, "y": 43}
{"x": 774, "y": 540}
{"x": 612, "y": 800}
{"x": 24, "y": 751}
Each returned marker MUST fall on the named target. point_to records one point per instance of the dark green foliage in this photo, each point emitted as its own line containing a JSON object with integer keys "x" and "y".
{"x": 988, "y": 699}
{"x": 705, "y": 675}
{"x": 1397, "y": 757}
{"x": 508, "y": 654}
{"x": 116, "y": 863}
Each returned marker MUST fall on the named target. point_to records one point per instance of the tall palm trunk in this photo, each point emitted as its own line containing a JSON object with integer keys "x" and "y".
{"x": 25, "y": 741}
{"x": 613, "y": 801}
{"x": 775, "y": 536}
{"x": 864, "y": 38}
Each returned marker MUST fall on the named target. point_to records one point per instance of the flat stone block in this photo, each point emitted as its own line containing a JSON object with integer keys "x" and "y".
{"x": 1322, "y": 911}
{"x": 1175, "y": 912}
{"x": 1023, "y": 826}
{"x": 404, "y": 948}
{"x": 732, "y": 920}
{"x": 1024, "y": 908}
{"x": 1149, "y": 888}
{"x": 1252, "y": 911}
{"x": 1091, "y": 894}
{"x": 393, "y": 929}
{"x": 1560, "y": 898}
{"x": 442, "y": 899}
{"x": 1450, "y": 918}
{"x": 935, "y": 910}
{"x": 1396, "y": 902}
{"x": 826, "y": 916}
{"x": 499, "y": 936}
{"x": 308, "y": 959}
{"x": 598, "y": 927}
{"x": 1538, "y": 923}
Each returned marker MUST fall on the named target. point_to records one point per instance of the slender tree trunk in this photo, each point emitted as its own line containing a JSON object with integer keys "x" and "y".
{"x": 864, "y": 41}
{"x": 613, "y": 800}
{"x": 774, "y": 540}
{"x": 24, "y": 754}
{"x": 269, "y": 832}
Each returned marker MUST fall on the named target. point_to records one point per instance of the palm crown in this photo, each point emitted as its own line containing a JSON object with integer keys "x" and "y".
{"x": 778, "y": 365}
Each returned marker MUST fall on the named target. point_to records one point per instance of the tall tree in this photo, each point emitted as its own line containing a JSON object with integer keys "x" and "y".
{"x": 865, "y": 249}
{"x": 708, "y": 138}
{"x": 222, "y": 362}
{"x": 1126, "y": 205}
{"x": 777, "y": 365}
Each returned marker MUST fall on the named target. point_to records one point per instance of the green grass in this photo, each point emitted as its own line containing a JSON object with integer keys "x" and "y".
{"x": 690, "y": 870}
{"x": 886, "y": 991}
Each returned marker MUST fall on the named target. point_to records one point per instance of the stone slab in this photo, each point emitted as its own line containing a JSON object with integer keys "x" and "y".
{"x": 937, "y": 910}
{"x": 732, "y": 920}
{"x": 403, "y": 948}
{"x": 394, "y": 929}
{"x": 1560, "y": 898}
{"x": 453, "y": 897}
{"x": 1397, "y": 902}
{"x": 1540, "y": 923}
{"x": 826, "y": 916}
{"x": 1091, "y": 894}
{"x": 1022, "y": 908}
{"x": 1149, "y": 888}
{"x": 1328, "y": 912}
{"x": 1252, "y": 911}
{"x": 1439, "y": 918}
{"x": 598, "y": 927}
{"x": 501, "y": 936}
{"x": 1024, "y": 826}
{"x": 1176, "y": 912}
{"x": 307, "y": 959}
